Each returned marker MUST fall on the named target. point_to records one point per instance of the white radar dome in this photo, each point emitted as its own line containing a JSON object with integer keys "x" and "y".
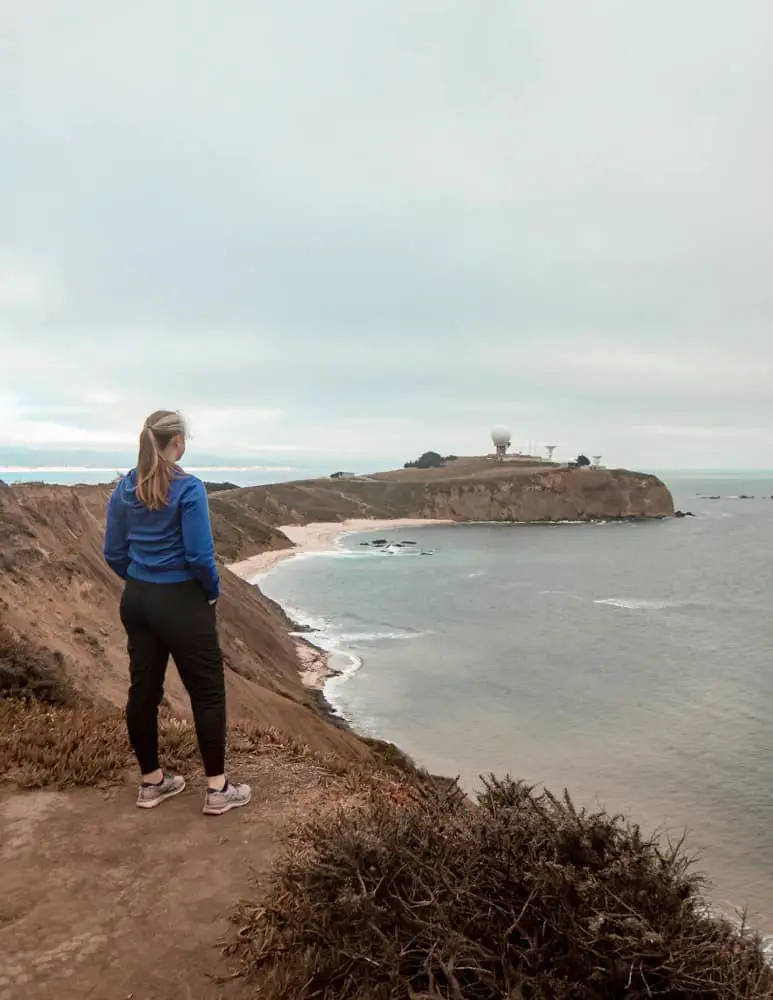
{"x": 500, "y": 435}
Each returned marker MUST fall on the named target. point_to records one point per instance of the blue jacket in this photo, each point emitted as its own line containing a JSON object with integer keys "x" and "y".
{"x": 169, "y": 545}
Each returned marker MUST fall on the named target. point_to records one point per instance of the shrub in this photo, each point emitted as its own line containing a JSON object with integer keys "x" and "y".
{"x": 31, "y": 671}
{"x": 429, "y": 460}
{"x": 522, "y": 897}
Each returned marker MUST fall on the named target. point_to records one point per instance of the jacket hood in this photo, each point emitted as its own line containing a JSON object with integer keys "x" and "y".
{"x": 128, "y": 485}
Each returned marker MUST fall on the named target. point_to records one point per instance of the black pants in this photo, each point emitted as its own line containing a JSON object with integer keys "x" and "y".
{"x": 176, "y": 618}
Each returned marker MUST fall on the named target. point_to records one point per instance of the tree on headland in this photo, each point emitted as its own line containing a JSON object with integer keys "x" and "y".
{"x": 430, "y": 460}
{"x": 582, "y": 461}
{"x": 219, "y": 487}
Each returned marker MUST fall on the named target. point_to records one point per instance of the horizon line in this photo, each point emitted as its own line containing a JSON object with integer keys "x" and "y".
{"x": 117, "y": 470}
{"x": 114, "y": 470}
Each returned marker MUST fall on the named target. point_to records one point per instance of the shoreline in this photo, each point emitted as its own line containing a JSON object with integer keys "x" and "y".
{"x": 315, "y": 665}
{"x": 315, "y": 661}
{"x": 320, "y": 536}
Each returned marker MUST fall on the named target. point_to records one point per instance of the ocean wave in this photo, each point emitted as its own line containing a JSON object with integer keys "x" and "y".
{"x": 520, "y": 524}
{"x": 404, "y": 551}
{"x": 337, "y": 553}
{"x": 374, "y": 636}
{"x": 316, "y": 623}
{"x": 346, "y": 666}
{"x": 344, "y": 662}
{"x": 598, "y": 523}
{"x": 334, "y": 639}
{"x": 365, "y": 552}
{"x": 641, "y": 603}
{"x": 333, "y": 635}
{"x": 296, "y": 557}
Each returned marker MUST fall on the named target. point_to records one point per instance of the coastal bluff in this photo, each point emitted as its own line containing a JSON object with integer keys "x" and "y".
{"x": 465, "y": 490}
{"x": 59, "y": 622}
{"x": 59, "y": 600}
{"x": 352, "y": 874}
{"x": 61, "y": 635}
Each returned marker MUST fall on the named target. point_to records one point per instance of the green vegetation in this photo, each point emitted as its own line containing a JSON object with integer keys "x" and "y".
{"x": 219, "y": 487}
{"x": 430, "y": 460}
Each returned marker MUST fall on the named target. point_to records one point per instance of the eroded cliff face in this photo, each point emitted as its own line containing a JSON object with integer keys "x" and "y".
{"x": 494, "y": 493}
{"x": 556, "y": 495}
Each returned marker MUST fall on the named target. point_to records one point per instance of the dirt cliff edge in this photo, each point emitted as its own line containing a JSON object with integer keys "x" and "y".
{"x": 59, "y": 599}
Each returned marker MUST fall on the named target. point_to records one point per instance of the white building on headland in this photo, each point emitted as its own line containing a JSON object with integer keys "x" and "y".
{"x": 502, "y": 441}
{"x": 501, "y": 438}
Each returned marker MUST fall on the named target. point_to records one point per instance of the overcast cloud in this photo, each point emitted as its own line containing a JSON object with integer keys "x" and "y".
{"x": 358, "y": 229}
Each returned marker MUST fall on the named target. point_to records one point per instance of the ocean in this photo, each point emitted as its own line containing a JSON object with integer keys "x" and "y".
{"x": 90, "y": 476}
{"x": 631, "y": 663}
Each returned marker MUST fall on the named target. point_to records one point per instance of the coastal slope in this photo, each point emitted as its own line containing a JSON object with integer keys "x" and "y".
{"x": 59, "y": 622}
{"x": 59, "y": 601}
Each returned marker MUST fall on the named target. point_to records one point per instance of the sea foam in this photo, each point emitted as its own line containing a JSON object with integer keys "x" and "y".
{"x": 640, "y": 603}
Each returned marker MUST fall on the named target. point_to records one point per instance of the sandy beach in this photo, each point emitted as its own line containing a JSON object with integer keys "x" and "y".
{"x": 319, "y": 537}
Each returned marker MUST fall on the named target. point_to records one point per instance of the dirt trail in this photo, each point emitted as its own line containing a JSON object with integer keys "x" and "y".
{"x": 101, "y": 900}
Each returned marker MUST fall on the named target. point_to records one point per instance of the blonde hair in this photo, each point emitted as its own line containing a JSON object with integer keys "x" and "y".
{"x": 154, "y": 471}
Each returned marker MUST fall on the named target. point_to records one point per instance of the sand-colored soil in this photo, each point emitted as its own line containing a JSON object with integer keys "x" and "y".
{"x": 106, "y": 901}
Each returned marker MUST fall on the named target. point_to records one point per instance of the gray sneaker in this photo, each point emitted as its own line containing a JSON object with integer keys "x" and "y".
{"x": 150, "y": 796}
{"x": 231, "y": 797}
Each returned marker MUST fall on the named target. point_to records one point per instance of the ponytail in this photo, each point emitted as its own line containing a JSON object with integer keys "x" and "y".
{"x": 154, "y": 470}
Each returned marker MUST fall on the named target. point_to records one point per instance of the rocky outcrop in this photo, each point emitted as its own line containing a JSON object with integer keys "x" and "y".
{"x": 490, "y": 494}
{"x": 553, "y": 495}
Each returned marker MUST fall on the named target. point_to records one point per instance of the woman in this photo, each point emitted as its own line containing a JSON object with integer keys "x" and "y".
{"x": 159, "y": 540}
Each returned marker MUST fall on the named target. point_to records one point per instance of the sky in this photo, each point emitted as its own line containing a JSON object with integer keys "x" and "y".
{"x": 344, "y": 233}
